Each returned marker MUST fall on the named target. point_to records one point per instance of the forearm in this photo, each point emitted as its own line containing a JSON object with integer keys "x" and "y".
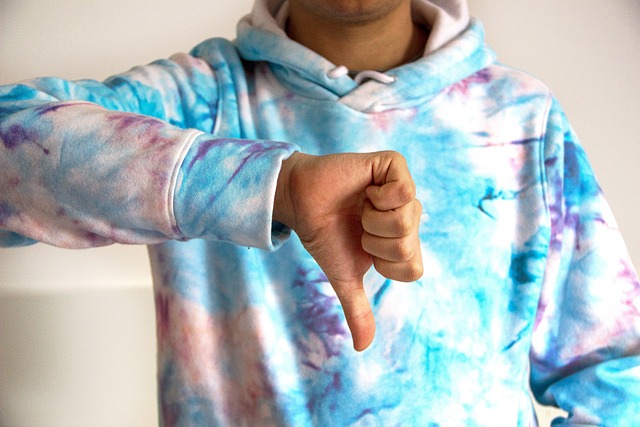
{"x": 87, "y": 163}
{"x": 78, "y": 175}
{"x": 81, "y": 182}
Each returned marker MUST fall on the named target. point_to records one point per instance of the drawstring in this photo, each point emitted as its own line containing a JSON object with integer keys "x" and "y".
{"x": 361, "y": 76}
{"x": 338, "y": 72}
{"x": 374, "y": 75}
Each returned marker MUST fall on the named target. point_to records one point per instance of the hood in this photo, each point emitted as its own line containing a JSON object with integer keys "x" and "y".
{"x": 455, "y": 49}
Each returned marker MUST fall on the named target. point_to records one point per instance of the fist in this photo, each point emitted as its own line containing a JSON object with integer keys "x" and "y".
{"x": 352, "y": 211}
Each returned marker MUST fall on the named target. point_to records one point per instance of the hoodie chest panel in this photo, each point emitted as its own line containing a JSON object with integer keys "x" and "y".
{"x": 479, "y": 179}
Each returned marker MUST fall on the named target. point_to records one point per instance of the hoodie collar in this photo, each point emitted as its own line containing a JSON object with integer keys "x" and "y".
{"x": 455, "y": 49}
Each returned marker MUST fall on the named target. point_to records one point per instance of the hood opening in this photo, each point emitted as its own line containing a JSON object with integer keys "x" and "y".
{"x": 455, "y": 49}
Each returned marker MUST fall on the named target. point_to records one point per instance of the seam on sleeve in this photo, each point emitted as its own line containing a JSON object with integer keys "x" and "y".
{"x": 171, "y": 191}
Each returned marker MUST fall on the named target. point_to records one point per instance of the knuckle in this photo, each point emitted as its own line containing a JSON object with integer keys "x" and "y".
{"x": 402, "y": 272}
{"x": 393, "y": 155}
{"x": 414, "y": 271}
{"x": 399, "y": 158}
{"x": 404, "y": 249}
{"x": 403, "y": 225}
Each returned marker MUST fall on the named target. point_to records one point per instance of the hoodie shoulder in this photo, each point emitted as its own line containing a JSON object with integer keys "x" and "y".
{"x": 518, "y": 81}
{"x": 218, "y": 52}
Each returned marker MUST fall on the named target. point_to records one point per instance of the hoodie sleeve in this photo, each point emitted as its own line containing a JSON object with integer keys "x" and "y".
{"x": 131, "y": 160}
{"x": 585, "y": 356}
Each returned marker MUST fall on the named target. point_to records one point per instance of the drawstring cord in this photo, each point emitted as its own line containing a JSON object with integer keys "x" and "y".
{"x": 374, "y": 75}
{"x": 361, "y": 76}
{"x": 338, "y": 72}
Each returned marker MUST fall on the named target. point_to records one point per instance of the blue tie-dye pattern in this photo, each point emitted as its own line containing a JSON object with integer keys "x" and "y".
{"x": 9, "y": 239}
{"x": 523, "y": 262}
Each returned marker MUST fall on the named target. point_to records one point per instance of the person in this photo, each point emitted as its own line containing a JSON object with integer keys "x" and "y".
{"x": 526, "y": 278}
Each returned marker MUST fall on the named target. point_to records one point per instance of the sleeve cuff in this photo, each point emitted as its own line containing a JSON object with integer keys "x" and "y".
{"x": 225, "y": 191}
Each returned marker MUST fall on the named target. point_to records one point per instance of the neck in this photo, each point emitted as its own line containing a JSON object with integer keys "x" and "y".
{"x": 379, "y": 44}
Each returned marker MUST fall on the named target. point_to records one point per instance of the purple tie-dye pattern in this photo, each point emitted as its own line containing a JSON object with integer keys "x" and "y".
{"x": 124, "y": 122}
{"x": 16, "y": 136}
{"x": 318, "y": 313}
{"x": 54, "y": 107}
{"x": 147, "y": 129}
{"x": 218, "y": 363}
{"x": 5, "y": 212}
{"x": 254, "y": 151}
{"x": 631, "y": 298}
{"x": 474, "y": 80}
{"x": 203, "y": 150}
{"x": 252, "y": 148}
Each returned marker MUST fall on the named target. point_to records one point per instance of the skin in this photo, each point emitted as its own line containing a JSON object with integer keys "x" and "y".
{"x": 352, "y": 211}
{"x": 359, "y": 34}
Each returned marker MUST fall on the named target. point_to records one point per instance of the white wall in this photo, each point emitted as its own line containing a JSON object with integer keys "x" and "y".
{"x": 76, "y": 327}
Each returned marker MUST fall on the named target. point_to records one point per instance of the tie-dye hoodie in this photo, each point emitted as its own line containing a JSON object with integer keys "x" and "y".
{"x": 527, "y": 281}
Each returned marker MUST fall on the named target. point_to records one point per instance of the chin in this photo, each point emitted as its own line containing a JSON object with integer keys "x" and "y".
{"x": 354, "y": 11}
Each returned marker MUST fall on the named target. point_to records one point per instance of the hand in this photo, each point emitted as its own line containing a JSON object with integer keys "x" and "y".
{"x": 351, "y": 211}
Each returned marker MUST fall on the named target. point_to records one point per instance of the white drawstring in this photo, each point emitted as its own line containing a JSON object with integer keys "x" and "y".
{"x": 338, "y": 72}
{"x": 374, "y": 75}
{"x": 342, "y": 71}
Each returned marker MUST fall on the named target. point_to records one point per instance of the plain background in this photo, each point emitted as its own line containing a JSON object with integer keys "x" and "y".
{"x": 77, "y": 337}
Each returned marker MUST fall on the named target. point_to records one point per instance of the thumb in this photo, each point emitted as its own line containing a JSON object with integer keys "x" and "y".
{"x": 357, "y": 311}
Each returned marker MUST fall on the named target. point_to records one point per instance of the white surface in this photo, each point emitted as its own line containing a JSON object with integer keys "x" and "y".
{"x": 77, "y": 342}
{"x": 78, "y": 359}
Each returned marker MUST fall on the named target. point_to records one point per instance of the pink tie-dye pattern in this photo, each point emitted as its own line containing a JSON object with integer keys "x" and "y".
{"x": 221, "y": 356}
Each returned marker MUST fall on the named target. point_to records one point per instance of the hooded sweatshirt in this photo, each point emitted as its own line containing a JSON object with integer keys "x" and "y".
{"x": 527, "y": 281}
